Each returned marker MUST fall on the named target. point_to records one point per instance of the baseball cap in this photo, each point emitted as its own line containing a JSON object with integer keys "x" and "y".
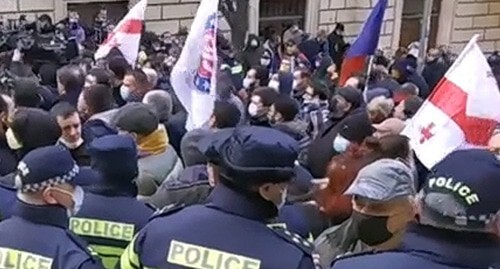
{"x": 52, "y": 165}
{"x": 463, "y": 188}
{"x": 136, "y": 118}
{"x": 382, "y": 181}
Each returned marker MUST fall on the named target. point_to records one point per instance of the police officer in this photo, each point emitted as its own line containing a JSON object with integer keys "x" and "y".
{"x": 110, "y": 214}
{"x": 459, "y": 224}
{"x": 230, "y": 232}
{"x": 37, "y": 234}
{"x": 23, "y": 136}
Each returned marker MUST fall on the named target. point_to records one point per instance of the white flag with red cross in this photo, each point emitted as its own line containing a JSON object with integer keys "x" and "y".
{"x": 462, "y": 111}
{"x": 126, "y": 36}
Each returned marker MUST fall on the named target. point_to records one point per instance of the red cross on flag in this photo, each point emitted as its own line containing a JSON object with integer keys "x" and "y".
{"x": 126, "y": 36}
{"x": 462, "y": 111}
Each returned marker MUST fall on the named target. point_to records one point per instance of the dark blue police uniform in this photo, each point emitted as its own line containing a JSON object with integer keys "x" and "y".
{"x": 111, "y": 215}
{"x": 430, "y": 248}
{"x": 460, "y": 197}
{"x": 37, "y": 236}
{"x": 7, "y": 200}
{"x": 231, "y": 230}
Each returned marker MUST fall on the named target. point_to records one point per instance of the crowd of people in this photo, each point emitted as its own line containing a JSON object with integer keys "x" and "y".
{"x": 292, "y": 170}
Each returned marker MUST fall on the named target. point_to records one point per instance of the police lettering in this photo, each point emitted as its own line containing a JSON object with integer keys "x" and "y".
{"x": 16, "y": 259}
{"x": 103, "y": 229}
{"x": 199, "y": 257}
{"x": 463, "y": 190}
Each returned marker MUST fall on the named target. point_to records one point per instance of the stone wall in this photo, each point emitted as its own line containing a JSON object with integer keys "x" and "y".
{"x": 477, "y": 17}
{"x": 353, "y": 13}
{"x": 12, "y": 9}
{"x": 171, "y": 15}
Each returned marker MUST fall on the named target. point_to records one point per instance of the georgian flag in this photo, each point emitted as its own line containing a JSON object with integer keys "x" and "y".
{"x": 462, "y": 111}
{"x": 126, "y": 36}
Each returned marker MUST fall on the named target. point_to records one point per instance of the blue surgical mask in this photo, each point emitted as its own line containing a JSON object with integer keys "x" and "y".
{"x": 340, "y": 144}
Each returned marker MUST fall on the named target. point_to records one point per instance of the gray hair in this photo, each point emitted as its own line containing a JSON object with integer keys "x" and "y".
{"x": 381, "y": 104}
{"x": 152, "y": 77}
{"x": 161, "y": 102}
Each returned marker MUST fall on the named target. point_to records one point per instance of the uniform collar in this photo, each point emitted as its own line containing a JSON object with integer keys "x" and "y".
{"x": 472, "y": 250}
{"x": 227, "y": 199}
{"x": 46, "y": 215}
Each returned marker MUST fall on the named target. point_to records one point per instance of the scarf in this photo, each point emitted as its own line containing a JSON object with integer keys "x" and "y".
{"x": 154, "y": 143}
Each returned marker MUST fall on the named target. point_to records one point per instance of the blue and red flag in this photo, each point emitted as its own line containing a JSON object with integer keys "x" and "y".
{"x": 365, "y": 45}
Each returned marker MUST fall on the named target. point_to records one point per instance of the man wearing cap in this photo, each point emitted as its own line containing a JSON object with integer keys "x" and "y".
{"x": 382, "y": 208}
{"x": 458, "y": 209}
{"x": 256, "y": 165}
{"x": 110, "y": 214}
{"x": 37, "y": 234}
{"x": 157, "y": 158}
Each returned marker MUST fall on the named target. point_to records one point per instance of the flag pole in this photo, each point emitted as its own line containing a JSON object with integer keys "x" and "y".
{"x": 368, "y": 72}
{"x": 424, "y": 33}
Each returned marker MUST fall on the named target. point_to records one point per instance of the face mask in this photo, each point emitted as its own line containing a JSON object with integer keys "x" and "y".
{"x": 70, "y": 145}
{"x": 124, "y": 92}
{"x": 77, "y": 197}
{"x": 254, "y": 43}
{"x": 247, "y": 83}
{"x": 265, "y": 62}
{"x": 340, "y": 144}
{"x": 274, "y": 84}
{"x": 283, "y": 199}
{"x": 295, "y": 84}
{"x": 371, "y": 230}
{"x": 12, "y": 141}
{"x": 253, "y": 109}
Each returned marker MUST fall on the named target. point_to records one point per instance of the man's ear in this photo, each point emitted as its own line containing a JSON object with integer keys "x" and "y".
{"x": 264, "y": 191}
{"x": 48, "y": 198}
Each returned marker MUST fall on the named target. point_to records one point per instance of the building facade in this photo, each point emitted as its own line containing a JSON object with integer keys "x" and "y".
{"x": 453, "y": 21}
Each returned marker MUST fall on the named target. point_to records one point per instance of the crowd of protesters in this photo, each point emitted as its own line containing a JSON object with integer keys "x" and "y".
{"x": 357, "y": 187}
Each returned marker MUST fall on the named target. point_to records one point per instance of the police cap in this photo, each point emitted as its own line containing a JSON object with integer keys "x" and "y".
{"x": 115, "y": 156}
{"x": 52, "y": 165}
{"x": 258, "y": 154}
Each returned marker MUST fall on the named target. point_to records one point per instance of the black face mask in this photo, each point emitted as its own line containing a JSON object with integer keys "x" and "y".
{"x": 371, "y": 230}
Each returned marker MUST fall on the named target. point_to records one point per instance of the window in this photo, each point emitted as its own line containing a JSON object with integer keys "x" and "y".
{"x": 413, "y": 13}
{"x": 279, "y": 14}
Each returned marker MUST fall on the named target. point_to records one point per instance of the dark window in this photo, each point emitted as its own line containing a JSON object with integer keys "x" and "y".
{"x": 413, "y": 13}
{"x": 279, "y": 14}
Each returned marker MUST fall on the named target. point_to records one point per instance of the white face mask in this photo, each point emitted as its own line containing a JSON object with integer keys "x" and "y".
{"x": 70, "y": 145}
{"x": 265, "y": 62}
{"x": 283, "y": 199}
{"x": 247, "y": 82}
{"x": 12, "y": 141}
{"x": 254, "y": 43}
{"x": 340, "y": 144}
{"x": 274, "y": 84}
{"x": 295, "y": 84}
{"x": 78, "y": 196}
{"x": 124, "y": 92}
{"x": 252, "y": 109}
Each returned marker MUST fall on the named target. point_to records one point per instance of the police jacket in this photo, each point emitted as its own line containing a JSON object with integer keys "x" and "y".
{"x": 7, "y": 200}
{"x": 37, "y": 237}
{"x": 109, "y": 222}
{"x": 229, "y": 232}
{"x": 425, "y": 247}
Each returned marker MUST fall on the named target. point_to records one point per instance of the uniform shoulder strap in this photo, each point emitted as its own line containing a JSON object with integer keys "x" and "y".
{"x": 293, "y": 239}
{"x": 82, "y": 245}
{"x": 358, "y": 254}
{"x": 167, "y": 210}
